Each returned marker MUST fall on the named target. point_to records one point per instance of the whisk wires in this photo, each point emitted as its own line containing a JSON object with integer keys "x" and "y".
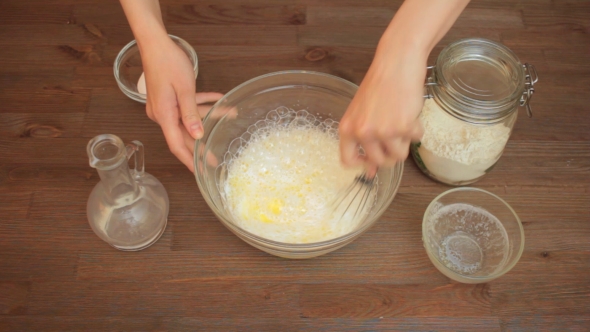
{"x": 355, "y": 196}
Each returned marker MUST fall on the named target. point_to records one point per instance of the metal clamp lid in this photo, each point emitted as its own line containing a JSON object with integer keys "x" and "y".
{"x": 530, "y": 78}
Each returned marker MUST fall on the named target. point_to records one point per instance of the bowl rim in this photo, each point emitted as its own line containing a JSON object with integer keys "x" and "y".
{"x": 298, "y": 247}
{"x": 267, "y": 75}
{"x": 460, "y": 276}
{"x": 141, "y": 97}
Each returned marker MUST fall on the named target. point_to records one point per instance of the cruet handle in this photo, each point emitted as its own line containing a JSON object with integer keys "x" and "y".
{"x": 136, "y": 147}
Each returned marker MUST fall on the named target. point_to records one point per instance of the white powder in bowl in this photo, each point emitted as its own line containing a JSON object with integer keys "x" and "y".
{"x": 455, "y": 151}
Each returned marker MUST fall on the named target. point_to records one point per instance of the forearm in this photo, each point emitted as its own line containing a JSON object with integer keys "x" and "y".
{"x": 145, "y": 19}
{"x": 418, "y": 26}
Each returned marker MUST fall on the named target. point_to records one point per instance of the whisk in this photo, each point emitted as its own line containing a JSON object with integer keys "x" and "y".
{"x": 355, "y": 196}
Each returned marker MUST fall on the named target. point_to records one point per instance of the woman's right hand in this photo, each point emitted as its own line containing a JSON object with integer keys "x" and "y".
{"x": 171, "y": 98}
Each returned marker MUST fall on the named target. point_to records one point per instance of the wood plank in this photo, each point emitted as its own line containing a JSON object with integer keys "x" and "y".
{"x": 382, "y": 16}
{"x": 564, "y": 266}
{"x": 44, "y": 125}
{"x": 60, "y": 324}
{"x": 101, "y": 13}
{"x": 100, "y": 77}
{"x": 214, "y": 13}
{"x": 547, "y": 37}
{"x": 353, "y": 300}
{"x": 520, "y": 4}
{"x": 320, "y": 15}
{"x": 18, "y": 13}
{"x": 575, "y": 16}
{"x": 67, "y": 323}
{"x": 39, "y": 177}
{"x": 376, "y": 253}
{"x": 546, "y": 323}
{"x": 43, "y": 91}
{"x": 498, "y": 19}
{"x": 20, "y": 264}
{"x": 13, "y": 298}
{"x": 27, "y": 59}
{"x": 66, "y": 236}
{"x": 203, "y": 299}
{"x": 54, "y": 2}
{"x": 236, "y": 261}
{"x": 30, "y": 150}
{"x": 15, "y": 204}
{"x": 51, "y": 99}
{"x": 541, "y": 298}
{"x": 46, "y": 35}
{"x": 339, "y": 36}
{"x": 131, "y": 122}
{"x": 566, "y": 61}
{"x": 212, "y": 34}
{"x": 111, "y": 100}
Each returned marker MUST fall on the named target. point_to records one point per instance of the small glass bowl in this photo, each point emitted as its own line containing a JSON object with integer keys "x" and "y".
{"x": 471, "y": 235}
{"x": 128, "y": 67}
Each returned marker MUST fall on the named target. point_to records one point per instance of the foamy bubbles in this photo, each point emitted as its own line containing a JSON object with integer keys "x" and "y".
{"x": 468, "y": 239}
{"x": 282, "y": 173}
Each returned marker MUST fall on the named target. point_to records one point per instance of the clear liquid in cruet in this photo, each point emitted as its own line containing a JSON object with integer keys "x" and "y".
{"x": 128, "y": 208}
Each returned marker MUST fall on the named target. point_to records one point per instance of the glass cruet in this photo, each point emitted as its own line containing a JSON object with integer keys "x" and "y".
{"x": 128, "y": 208}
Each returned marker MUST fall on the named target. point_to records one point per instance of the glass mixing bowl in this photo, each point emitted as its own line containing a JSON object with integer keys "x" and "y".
{"x": 471, "y": 235}
{"x": 323, "y": 95}
{"x": 128, "y": 67}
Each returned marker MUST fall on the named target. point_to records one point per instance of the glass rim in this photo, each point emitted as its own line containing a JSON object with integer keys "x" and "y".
{"x": 518, "y": 221}
{"x": 109, "y": 163}
{"x": 470, "y": 109}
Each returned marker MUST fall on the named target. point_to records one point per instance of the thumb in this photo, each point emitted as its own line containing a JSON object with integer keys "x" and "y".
{"x": 190, "y": 114}
{"x": 416, "y": 132}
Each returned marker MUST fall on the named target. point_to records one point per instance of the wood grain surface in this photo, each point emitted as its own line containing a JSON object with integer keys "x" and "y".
{"x": 57, "y": 91}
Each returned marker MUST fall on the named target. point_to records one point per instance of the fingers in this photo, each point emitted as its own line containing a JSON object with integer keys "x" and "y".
{"x": 371, "y": 170}
{"x": 149, "y": 111}
{"x": 176, "y": 141}
{"x": 207, "y": 97}
{"x": 218, "y": 113}
{"x": 191, "y": 118}
{"x": 396, "y": 150}
{"x": 349, "y": 151}
{"x": 189, "y": 142}
{"x": 374, "y": 153}
{"x": 203, "y": 110}
{"x": 229, "y": 112}
{"x": 417, "y": 132}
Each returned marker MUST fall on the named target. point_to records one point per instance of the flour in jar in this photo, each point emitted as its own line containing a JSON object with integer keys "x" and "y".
{"x": 455, "y": 151}
{"x": 281, "y": 181}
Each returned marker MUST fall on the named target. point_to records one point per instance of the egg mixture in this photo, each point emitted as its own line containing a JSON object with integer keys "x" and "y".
{"x": 283, "y": 181}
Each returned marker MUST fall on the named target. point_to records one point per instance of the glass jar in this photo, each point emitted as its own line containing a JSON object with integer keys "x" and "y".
{"x": 474, "y": 92}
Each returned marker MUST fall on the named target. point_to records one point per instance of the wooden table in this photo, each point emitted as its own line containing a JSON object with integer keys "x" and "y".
{"x": 57, "y": 91}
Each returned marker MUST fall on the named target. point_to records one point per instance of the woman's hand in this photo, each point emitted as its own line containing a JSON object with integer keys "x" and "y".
{"x": 383, "y": 115}
{"x": 171, "y": 98}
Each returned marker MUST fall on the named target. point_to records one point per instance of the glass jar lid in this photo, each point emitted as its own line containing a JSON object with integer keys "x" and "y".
{"x": 478, "y": 80}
